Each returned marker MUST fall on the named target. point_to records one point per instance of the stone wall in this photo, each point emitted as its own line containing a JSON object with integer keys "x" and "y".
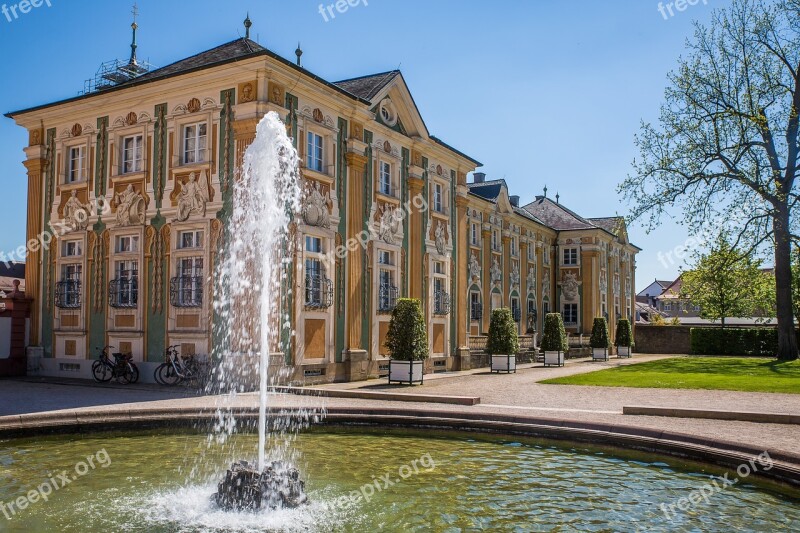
{"x": 662, "y": 339}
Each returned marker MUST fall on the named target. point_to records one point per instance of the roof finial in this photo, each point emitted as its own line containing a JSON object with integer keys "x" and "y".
{"x": 545, "y": 191}
{"x": 299, "y": 54}
{"x": 558, "y": 196}
{"x": 247, "y": 24}
{"x": 134, "y": 26}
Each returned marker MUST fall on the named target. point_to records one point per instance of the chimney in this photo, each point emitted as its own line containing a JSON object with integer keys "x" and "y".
{"x": 514, "y": 200}
{"x": 478, "y": 177}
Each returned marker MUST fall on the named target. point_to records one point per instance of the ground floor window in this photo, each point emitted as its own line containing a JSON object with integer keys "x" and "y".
{"x": 570, "y": 314}
{"x": 476, "y": 309}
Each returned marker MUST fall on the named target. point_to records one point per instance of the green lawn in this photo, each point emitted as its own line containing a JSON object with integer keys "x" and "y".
{"x": 715, "y": 373}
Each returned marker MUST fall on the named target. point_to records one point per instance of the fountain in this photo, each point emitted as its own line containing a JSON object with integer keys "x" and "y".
{"x": 266, "y": 197}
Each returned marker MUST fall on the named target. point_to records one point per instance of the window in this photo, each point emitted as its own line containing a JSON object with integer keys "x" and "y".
{"x": 127, "y": 243}
{"x": 570, "y": 256}
{"x": 387, "y": 291}
{"x": 77, "y": 164}
{"x": 514, "y": 247}
{"x": 441, "y": 299}
{"x": 438, "y": 267}
{"x": 570, "y": 314}
{"x": 68, "y": 290}
{"x": 313, "y": 245}
{"x": 668, "y": 306}
{"x": 190, "y": 239}
{"x": 438, "y": 198}
{"x": 531, "y": 251}
{"x": 385, "y": 258}
{"x": 475, "y": 307}
{"x": 72, "y": 249}
{"x": 545, "y": 308}
{"x": 319, "y": 291}
{"x": 132, "y": 154}
{"x": 314, "y": 153}
{"x": 386, "y": 179}
{"x": 495, "y": 240}
{"x": 194, "y": 143}
{"x": 546, "y": 255}
{"x": 124, "y": 288}
{"x": 474, "y": 234}
{"x": 516, "y": 312}
{"x": 186, "y": 289}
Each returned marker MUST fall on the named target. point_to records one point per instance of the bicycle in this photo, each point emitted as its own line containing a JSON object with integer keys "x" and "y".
{"x": 122, "y": 368}
{"x": 178, "y": 369}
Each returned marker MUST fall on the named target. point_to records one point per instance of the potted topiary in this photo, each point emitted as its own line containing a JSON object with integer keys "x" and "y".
{"x": 554, "y": 340}
{"x": 503, "y": 341}
{"x": 599, "y": 340}
{"x": 623, "y": 339}
{"x": 407, "y": 341}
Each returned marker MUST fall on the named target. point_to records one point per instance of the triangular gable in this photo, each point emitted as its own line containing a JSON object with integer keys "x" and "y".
{"x": 409, "y": 117}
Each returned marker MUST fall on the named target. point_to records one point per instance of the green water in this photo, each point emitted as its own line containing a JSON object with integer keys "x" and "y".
{"x": 162, "y": 483}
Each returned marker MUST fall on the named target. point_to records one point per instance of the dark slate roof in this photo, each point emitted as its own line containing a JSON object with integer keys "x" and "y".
{"x": 488, "y": 190}
{"x": 232, "y": 51}
{"x": 13, "y": 269}
{"x": 556, "y": 215}
{"x": 367, "y": 87}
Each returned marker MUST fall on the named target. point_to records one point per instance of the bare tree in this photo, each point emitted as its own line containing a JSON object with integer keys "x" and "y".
{"x": 726, "y": 148}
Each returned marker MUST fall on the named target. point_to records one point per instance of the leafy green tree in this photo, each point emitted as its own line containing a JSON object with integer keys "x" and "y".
{"x": 726, "y": 151}
{"x": 727, "y": 283}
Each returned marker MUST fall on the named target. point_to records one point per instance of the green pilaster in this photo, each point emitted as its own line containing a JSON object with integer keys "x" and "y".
{"x": 425, "y": 217}
{"x": 97, "y": 315}
{"x": 341, "y": 263}
{"x": 48, "y": 284}
{"x": 101, "y": 157}
{"x": 455, "y": 312}
{"x": 366, "y": 280}
{"x": 160, "y": 151}
{"x": 404, "y": 201}
{"x": 157, "y": 290}
{"x": 291, "y": 117}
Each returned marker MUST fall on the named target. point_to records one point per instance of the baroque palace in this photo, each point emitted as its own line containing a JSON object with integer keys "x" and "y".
{"x": 134, "y": 177}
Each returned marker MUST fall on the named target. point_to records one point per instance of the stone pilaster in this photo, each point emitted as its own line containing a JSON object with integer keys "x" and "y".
{"x": 33, "y": 263}
{"x": 462, "y": 311}
{"x": 416, "y": 238}
{"x": 356, "y": 165}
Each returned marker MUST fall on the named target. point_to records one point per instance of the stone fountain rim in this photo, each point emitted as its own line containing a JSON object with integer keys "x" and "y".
{"x": 684, "y": 446}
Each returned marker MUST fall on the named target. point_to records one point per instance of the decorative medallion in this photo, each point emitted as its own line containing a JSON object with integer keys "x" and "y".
{"x": 317, "y": 114}
{"x": 315, "y": 208}
{"x": 387, "y": 147}
{"x": 276, "y": 93}
{"x": 569, "y": 287}
{"x": 439, "y": 170}
{"x": 131, "y": 119}
{"x": 193, "y": 106}
{"x": 76, "y": 130}
{"x": 247, "y": 93}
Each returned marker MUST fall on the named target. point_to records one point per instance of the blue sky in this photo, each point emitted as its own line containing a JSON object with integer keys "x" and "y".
{"x": 543, "y": 92}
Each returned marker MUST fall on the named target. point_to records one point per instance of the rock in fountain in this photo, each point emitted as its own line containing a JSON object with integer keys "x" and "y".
{"x": 246, "y": 489}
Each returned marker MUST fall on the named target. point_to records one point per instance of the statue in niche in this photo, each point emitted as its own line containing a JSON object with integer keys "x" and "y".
{"x": 440, "y": 242}
{"x": 130, "y": 207}
{"x": 546, "y": 285}
{"x": 315, "y": 210}
{"x": 569, "y": 287}
{"x": 496, "y": 272}
{"x": 76, "y": 216}
{"x": 531, "y": 280}
{"x": 474, "y": 268}
{"x": 514, "y": 276}
{"x": 193, "y": 197}
{"x": 390, "y": 229}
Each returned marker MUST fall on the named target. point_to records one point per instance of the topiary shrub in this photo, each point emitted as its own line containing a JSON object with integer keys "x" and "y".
{"x": 407, "y": 338}
{"x": 503, "y": 338}
{"x": 599, "y": 337}
{"x": 624, "y": 336}
{"x": 554, "y": 338}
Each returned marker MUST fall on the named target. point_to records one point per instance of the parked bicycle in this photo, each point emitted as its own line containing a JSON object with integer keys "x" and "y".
{"x": 178, "y": 369}
{"x": 122, "y": 368}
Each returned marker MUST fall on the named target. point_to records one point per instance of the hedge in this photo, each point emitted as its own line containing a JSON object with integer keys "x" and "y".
{"x": 503, "y": 338}
{"x": 753, "y": 342}
{"x": 407, "y": 338}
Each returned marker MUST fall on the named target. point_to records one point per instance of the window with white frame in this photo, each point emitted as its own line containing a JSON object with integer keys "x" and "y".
{"x": 387, "y": 289}
{"x": 313, "y": 244}
{"x": 77, "y": 164}
{"x": 570, "y": 314}
{"x": 132, "y": 154}
{"x": 531, "y": 251}
{"x": 438, "y": 198}
{"x": 570, "y": 257}
{"x": 314, "y": 152}
{"x": 385, "y": 257}
{"x": 475, "y": 234}
{"x": 72, "y": 249}
{"x": 124, "y": 288}
{"x": 514, "y": 246}
{"x": 546, "y": 255}
{"x": 186, "y": 288}
{"x": 386, "y": 179}
{"x": 190, "y": 239}
{"x": 195, "y": 140}
{"x": 495, "y": 240}
{"x": 318, "y": 288}
{"x": 127, "y": 243}
{"x": 441, "y": 298}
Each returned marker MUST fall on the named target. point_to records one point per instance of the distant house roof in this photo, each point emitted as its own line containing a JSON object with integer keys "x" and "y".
{"x": 673, "y": 291}
{"x": 367, "y": 87}
{"x": 9, "y": 272}
{"x": 488, "y": 190}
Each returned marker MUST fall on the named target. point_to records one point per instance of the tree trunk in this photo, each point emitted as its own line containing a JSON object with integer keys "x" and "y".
{"x": 787, "y": 339}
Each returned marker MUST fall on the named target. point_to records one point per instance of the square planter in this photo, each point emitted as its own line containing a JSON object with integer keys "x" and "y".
{"x": 504, "y": 363}
{"x": 599, "y": 354}
{"x": 406, "y": 371}
{"x": 624, "y": 351}
{"x": 553, "y": 358}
